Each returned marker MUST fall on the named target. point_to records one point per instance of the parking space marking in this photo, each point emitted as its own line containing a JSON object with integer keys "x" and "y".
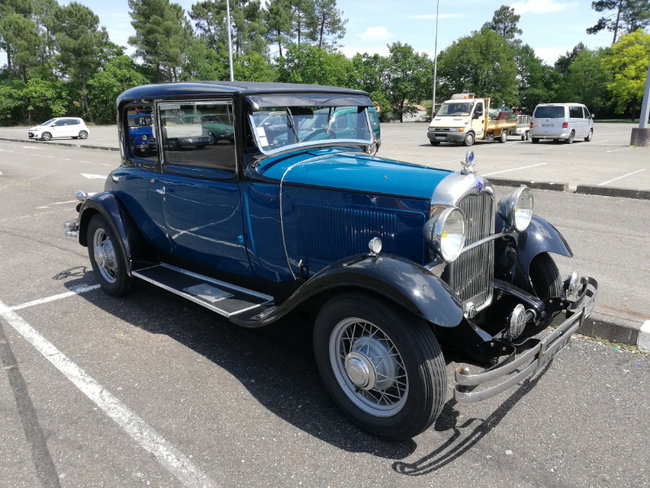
{"x": 166, "y": 454}
{"x": 617, "y": 150}
{"x": 621, "y": 177}
{"x": 93, "y": 177}
{"x": 514, "y": 169}
{"x": 75, "y": 291}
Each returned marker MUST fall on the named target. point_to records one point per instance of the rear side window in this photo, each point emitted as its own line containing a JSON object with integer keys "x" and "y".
{"x": 198, "y": 134}
{"x": 575, "y": 112}
{"x": 549, "y": 112}
{"x": 140, "y": 133}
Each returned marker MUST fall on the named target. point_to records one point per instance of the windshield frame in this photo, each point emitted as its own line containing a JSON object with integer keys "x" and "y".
{"x": 469, "y": 104}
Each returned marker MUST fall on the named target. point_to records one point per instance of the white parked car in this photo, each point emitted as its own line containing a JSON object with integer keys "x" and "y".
{"x": 562, "y": 122}
{"x": 59, "y": 127}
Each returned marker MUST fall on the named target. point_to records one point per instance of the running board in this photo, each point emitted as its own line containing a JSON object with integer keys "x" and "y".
{"x": 223, "y": 298}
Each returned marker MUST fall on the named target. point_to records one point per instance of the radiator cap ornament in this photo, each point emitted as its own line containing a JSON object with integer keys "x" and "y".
{"x": 469, "y": 165}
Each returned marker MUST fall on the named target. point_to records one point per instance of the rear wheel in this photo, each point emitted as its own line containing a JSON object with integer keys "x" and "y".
{"x": 504, "y": 136}
{"x": 569, "y": 139}
{"x": 106, "y": 257}
{"x": 535, "y": 140}
{"x": 83, "y": 134}
{"x": 382, "y": 366}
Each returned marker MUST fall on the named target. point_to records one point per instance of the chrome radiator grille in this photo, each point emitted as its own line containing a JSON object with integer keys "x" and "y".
{"x": 471, "y": 275}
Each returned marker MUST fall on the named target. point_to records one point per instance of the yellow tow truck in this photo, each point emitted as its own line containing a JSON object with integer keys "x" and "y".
{"x": 465, "y": 118}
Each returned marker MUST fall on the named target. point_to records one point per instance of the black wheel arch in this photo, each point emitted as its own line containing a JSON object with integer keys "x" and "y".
{"x": 108, "y": 206}
{"x": 403, "y": 282}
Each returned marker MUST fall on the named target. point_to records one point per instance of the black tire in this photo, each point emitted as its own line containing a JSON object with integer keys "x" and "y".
{"x": 469, "y": 139}
{"x": 569, "y": 140}
{"x": 107, "y": 258}
{"x": 589, "y": 136}
{"x": 395, "y": 399}
{"x": 545, "y": 277}
{"x": 83, "y": 134}
{"x": 434, "y": 143}
{"x": 535, "y": 140}
{"x": 46, "y": 136}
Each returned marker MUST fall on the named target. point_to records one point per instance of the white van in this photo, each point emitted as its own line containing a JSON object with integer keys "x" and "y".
{"x": 561, "y": 121}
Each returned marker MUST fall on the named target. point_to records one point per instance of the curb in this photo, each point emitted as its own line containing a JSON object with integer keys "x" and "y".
{"x": 618, "y": 329}
{"x": 62, "y": 144}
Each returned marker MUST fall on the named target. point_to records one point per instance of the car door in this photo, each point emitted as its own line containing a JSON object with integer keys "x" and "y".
{"x": 478, "y": 119}
{"x": 58, "y": 129}
{"x": 201, "y": 196}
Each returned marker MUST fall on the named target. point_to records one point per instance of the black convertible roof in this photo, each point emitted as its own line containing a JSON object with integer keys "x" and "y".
{"x": 211, "y": 88}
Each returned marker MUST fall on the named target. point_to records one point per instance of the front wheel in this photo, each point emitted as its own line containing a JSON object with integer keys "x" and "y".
{"x": 589, "y": 136}
{"x": 106, "y": 257}
{"x": 434, "y": 143}
{"x": 535, "y": 140}
{"x": 382, "y": 366}
{"x": 469, "y": 139}
{"x": 569, "y": 139}
{"x": 46, "y": 136}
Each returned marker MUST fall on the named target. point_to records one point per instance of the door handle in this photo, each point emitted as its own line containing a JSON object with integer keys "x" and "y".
{"x": 160, "y": 191}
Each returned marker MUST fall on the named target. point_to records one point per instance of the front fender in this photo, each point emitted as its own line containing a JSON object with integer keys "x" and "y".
{"x": 108, "y": 206}
{"x": 539, "y": 237}
{"x": 397, "y": 279}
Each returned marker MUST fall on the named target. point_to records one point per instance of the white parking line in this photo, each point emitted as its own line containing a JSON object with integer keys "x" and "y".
{"x": 93, "y": 177}
{"x": 167, "y": 455}
{"x": 621, "y": 177}
{"x": 514, "y": 169}
{"x": 617, "y": 150}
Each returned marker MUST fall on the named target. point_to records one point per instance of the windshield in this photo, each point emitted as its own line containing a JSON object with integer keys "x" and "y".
{"x": 549, "y": 112}
{"x": 455, "y": 108}
{"x": 278, "y": 128}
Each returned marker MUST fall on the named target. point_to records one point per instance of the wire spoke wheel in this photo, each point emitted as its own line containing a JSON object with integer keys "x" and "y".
{"x": 368, "y": 367}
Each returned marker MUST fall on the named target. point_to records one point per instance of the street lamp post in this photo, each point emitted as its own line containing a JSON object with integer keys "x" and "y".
{"x": 435, "y": 64}
{"x": 232, "y": 77}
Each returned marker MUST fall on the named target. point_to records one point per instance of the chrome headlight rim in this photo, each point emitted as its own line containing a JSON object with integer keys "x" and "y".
{"x": 517, "y": 208}
{"x": 437, "y": 228}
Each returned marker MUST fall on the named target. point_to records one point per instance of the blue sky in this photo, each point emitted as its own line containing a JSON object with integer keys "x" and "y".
{"x": 551, "y": 27}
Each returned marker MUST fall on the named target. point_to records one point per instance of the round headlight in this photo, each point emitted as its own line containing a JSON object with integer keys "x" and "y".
{"x": 445, "y": 232}
{"x": 144, "y": 137}
{"x": 517, "y": 208}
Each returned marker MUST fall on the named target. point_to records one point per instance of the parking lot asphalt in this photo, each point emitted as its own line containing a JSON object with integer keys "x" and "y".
{"x": 605, "y": 166}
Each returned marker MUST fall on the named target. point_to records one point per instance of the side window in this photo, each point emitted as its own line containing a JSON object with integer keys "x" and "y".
{"x": 586, "y": 112}
{"x": 575, "y": 112}
{"x": 140, "y": 133}
{"x": 198, "y": 134}
{"x": 60, "y": 123}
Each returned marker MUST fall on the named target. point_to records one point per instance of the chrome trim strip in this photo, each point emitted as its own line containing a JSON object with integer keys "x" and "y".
{"x": 486, "y": 239}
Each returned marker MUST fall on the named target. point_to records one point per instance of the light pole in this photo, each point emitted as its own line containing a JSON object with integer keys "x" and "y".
{"x": 435, "y": 64}
{"x": 232, "y": 77}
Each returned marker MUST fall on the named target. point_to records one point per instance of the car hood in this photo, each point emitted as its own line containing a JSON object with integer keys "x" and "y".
{"x": 353, "y": 170}
{"x": 36, "y": 127}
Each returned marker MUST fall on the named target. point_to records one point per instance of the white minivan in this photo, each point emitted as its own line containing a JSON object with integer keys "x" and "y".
{"x": 561, "y": 121}
{"x": 59, "y": 127}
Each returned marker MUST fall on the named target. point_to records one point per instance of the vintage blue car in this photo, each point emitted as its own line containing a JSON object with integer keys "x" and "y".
{"x": 394, "y": 260}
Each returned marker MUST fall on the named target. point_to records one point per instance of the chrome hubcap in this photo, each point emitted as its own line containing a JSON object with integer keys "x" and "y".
{"x": 104, "y": 254}
{"x": 368, "y": 367}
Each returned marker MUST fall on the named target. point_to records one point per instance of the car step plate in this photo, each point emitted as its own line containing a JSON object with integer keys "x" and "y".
{"x": 223, "y": 298}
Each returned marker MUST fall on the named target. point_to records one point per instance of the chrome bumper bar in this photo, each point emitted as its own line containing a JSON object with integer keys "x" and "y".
{"x": 533, "y": 359}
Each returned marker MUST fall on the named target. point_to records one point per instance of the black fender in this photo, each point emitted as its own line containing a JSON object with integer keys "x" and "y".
{"x": 540, "y": 236}
{"x": 399, "y": 280}
{"x": 108, "y": 206}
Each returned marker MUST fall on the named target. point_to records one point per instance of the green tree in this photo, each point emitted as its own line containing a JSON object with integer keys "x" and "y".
{"x": 533, "y": 78}
{"x": 328, "y": 22}
{"x": 366, "y": 72}
{"x": 278, "y": 21}
{"x": 504, "y": 22}
{"x": 628, "y": 67}
{"x": 22, "y": 43}
{"x": 113, "y": 77}
{"x": 407, "y": 77}
{"x": 162, "y": 35}
{"x": 313, "y": 65}
{"x": 203, "y": 63}
{"x": 253, "y": 67}
{"x": 80, "y": 41}
{"x": 482, "y": 63}
{"x": 303, "y": 15}
{"x": 626, "y": 16}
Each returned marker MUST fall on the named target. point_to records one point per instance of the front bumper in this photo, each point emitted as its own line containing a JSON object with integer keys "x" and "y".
{"x": 445, "y": 135}
{"x": 527, "y": 358}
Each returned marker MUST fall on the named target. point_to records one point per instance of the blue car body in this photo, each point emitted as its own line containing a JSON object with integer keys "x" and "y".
{"x": 298, "y": 214}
